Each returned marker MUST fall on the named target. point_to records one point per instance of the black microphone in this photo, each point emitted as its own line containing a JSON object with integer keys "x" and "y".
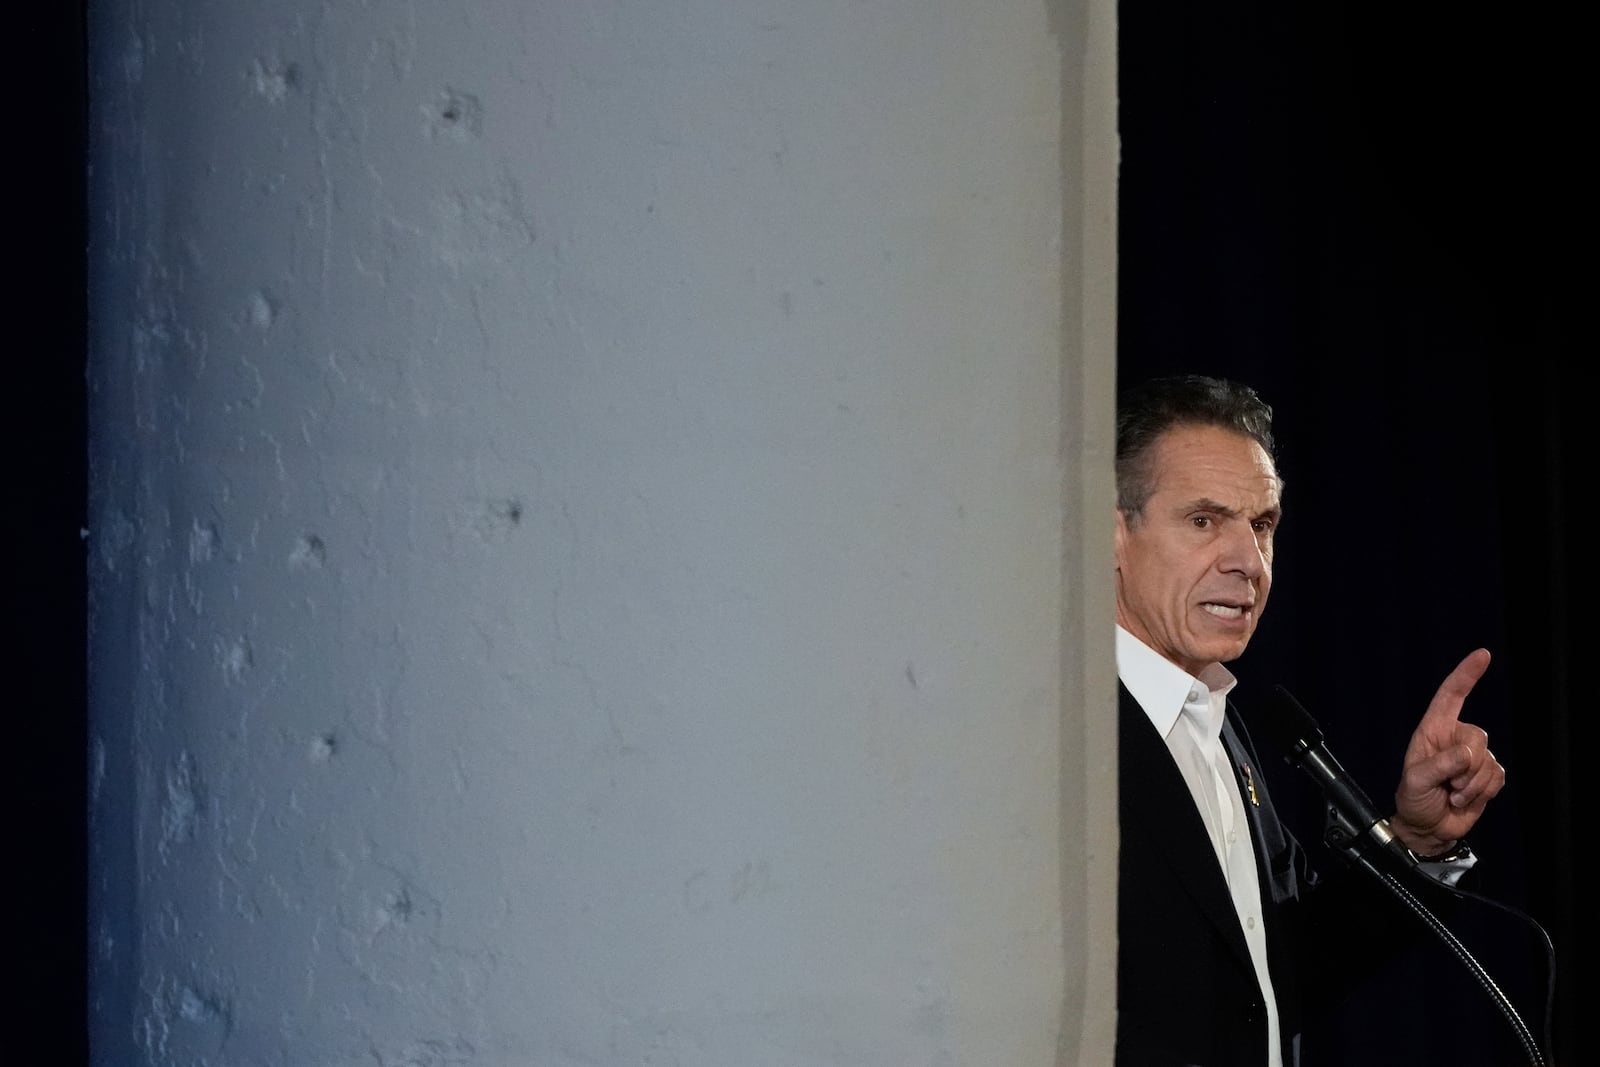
{"x": 1355, "y": 824}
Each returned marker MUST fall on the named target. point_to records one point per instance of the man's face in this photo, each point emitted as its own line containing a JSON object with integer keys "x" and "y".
{"x": 1194, "y": 569}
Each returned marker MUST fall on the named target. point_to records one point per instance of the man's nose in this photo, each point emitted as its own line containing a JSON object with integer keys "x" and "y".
{"x": 1242, "y": 552}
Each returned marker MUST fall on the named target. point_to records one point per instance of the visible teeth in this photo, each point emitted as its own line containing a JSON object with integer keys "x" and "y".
{"x": 1224, "y": 610}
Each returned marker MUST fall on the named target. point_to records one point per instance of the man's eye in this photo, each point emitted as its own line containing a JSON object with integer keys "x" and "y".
{"x": 1201, "y": 521}
{"x": 1263, "y": 525}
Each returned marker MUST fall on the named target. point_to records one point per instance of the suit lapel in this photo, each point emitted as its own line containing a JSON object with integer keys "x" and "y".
{"x": 1156, "y": 795}
{"x": 1273, "y": 860}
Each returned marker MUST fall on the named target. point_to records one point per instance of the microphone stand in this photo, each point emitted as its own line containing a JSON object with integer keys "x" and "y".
{"x": 1354, "y": 829}
{"x": 1341, "y": 836}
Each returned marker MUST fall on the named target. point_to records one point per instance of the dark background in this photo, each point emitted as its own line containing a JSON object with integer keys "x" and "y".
{"x": 43, "y": 697}
{"x": 1372, "y": 216}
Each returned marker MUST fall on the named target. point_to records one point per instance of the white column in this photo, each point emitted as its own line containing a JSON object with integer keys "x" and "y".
{"x": 583, "y": 536}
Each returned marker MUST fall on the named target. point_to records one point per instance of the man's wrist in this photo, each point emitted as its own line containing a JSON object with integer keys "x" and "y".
{"x": 1448, "y": 867}
{"x": 1421, "y": 842}
{"x": 1454, "y": 852}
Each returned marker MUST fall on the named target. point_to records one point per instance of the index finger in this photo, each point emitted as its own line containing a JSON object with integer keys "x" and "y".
{"x": 1445, "y": 707}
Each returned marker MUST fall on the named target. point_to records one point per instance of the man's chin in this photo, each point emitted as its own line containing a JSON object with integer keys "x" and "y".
{"x": 1225, "y": 649}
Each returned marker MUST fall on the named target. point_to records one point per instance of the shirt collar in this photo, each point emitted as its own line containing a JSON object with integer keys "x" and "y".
{"x": 1162, "y": 687}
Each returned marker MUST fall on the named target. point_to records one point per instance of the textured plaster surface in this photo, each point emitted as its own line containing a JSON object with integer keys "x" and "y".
{"x": 576, "y": 543}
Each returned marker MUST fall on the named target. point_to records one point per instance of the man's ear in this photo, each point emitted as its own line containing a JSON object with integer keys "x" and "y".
{"x": 1119, "y": 538}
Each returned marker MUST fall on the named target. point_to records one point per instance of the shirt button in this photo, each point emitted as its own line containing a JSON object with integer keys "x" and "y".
{"x": 1194, "y": 695}
{"x": 1250, "y": 921}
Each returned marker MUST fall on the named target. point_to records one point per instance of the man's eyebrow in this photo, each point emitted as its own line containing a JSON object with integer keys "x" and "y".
{"x": 1216, "y": 507}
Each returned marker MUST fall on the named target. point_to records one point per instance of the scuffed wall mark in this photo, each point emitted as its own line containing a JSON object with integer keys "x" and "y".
{"x": 261, "y": 309}
{"x": 483, "y": 228}
{"x": 257, "y": 380}
{"x": 180, "y": 804}
{"x": 668, "y": 1040}
{"x": 696, "y": 899}
{"x": 105, "y": 942}
{"x": 372, "y": 721}
{"x": 325, "y": 113}
{"x": 750, "y": 881}
{"x": 427, "y": 1052}
{"x": 395, "y": 50}
{"x": 495, "y": 519}
{"x": 235, "y": 659}
{"x": 273, "y": 80}
{"x": 454, "y": 116}
{"x": 203, "y": 1008}
{"x": 187, "y": 1015}
{"x": 203, "y": 540}
{"x": 389, "y": 934}
{"x": 97, "y": 769}
{"x": 505, "y": 513}
{"x": 475, "y": 300}
{"x": 396, "y": 910}
{"x": 112, "y": 539}
{"x": 248, "y": 851}
{"x": 374, "y": 377}
{"x": 133, "y": 61}
{"x": 324, "y": 747}
{"x": 401, "y": 965}
{"x": 308, "y": 553}
{"x": 150, "y": 339}
{"x": 280, "y": 468}
{"x": 911, "y": 674}
{"x": 933, "y": 1017}
{"x": 239, "y": 866}
{"x": 204, "y": 544}
{"x": 153, "y": 1030}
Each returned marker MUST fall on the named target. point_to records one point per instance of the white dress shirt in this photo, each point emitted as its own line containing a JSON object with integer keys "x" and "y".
{"x": 1188, "y": 712}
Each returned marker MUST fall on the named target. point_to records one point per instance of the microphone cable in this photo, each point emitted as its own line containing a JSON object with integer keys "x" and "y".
{"x": 1357, "y": 852}
{"x": 1351, "y": 830}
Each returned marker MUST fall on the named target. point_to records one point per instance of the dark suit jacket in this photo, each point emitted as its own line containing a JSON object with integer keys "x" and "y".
{"x": 1186, "y": 990}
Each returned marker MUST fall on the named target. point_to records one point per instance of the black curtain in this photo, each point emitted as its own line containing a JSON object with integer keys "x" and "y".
{"x": 1374, "y": 218}
{"x": 46, "y": 586}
